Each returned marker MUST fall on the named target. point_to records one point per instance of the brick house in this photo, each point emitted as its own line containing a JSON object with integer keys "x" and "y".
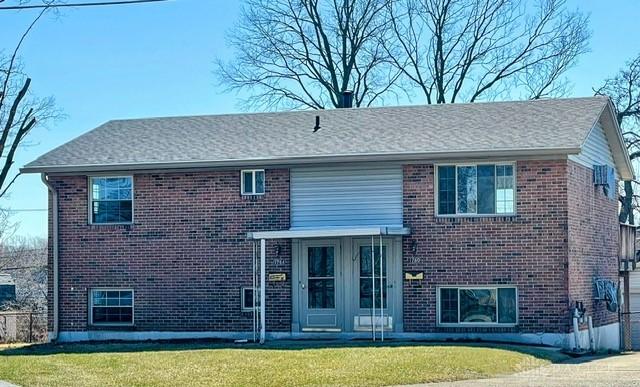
{"x": 466, "y": 221}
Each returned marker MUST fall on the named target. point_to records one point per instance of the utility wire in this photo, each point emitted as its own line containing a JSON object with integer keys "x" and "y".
{"x": 24, "y": 209}
{"x": 24, "y": 267}
{"x": 89, "y": 4}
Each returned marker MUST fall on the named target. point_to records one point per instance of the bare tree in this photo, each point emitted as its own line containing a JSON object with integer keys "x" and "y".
{"x": 624, "y": 91}
{"x": 306, "y": 53}
{"x": 26, "y": 260}
{"x": 469, "y": 50}
{"x": 20, "y": 112}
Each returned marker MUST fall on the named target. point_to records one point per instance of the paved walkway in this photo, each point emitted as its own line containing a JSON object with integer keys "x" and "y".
{"x": 621, "y": 370}
{"x": 6, "y": 384}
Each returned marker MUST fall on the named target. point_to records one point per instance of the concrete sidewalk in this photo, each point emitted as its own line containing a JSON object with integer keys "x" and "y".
{"x": 619, "y": 370}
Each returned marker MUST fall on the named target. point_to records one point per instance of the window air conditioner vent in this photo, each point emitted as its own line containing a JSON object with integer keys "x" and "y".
{"x": 605, "y": 176}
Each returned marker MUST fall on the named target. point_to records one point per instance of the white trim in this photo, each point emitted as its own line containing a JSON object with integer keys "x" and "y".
{"x": 620, "y": 150}
{"x": 330, "y": 232}
{"x": 54, "y": 266}
{"x": 475, "y": 324}
{"x": 455, "y": 164}
{"x": 253, "y": 182}
{"x": 107, "y": 289}
{"x": 90, "y": 198}
{"x": 263, "y": 289}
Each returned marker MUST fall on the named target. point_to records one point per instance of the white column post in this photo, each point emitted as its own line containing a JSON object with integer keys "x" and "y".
{"x": 373, "y": 289}
{"x": 381, "y": 295}
{"x": 254, "y": 289}
{"x": 263, "y": 288}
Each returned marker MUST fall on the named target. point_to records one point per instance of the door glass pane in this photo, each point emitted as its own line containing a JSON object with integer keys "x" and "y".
{"x": 366, "y": 279}
{"x": 321, "y": 262}
{"x": 321, "y": 277}
{"x": 321, "y": 294}
{"x": 478, "y": 305}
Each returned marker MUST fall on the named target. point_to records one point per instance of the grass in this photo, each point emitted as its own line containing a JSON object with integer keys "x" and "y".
{"x": 276, "y": 364}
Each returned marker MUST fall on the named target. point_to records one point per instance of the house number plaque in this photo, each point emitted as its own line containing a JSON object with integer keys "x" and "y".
{"x": 277, "y": 277}
{"x": 414, "y": 275}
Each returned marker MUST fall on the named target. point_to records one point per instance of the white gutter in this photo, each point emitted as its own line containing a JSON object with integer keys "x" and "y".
{"x": 302, "y": 160}
{"x": 54, "y": 210}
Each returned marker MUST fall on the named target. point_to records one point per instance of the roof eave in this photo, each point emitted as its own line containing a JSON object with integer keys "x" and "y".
{"x": 301, "y": 160}
{"x": 616, "y": 141}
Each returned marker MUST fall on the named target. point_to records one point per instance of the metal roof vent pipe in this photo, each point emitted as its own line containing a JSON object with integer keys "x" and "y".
{"x": 347, "y": 99}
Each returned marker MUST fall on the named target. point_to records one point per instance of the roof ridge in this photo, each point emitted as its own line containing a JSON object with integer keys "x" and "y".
{"x": 319, "y": 111}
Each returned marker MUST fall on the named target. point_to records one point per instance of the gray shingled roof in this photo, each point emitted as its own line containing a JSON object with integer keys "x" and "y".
{"x": 543, "y": 125}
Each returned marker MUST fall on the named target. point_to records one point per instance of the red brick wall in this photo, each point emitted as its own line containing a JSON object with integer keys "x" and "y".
{"x": 186, "y": 255}
{"x": 528, "y": 250}
{"x": 593, "y": 241}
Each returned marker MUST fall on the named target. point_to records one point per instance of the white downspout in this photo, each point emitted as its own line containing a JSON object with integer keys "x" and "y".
{"x": 54, "y": 221}
{"x": 263, "y": 286}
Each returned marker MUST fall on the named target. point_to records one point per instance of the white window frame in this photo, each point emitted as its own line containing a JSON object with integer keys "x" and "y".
{"x": 472, "y": 215}
{"x": 476, "y": 324}
{"x": 133, "y": 309}
{"x": 243, "y": 295}
{"x": 253, "y": 179}
{"x": 90, "y": 196}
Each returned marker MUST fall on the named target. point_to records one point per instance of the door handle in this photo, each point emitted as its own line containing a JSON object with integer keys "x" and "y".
{"x": 302, "y": 285}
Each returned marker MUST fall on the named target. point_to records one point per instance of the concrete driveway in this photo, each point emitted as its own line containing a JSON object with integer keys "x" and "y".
{"x": 620, "y": 370}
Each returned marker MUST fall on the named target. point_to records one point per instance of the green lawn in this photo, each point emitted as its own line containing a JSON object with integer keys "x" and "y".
{"x": 275, "y": 364}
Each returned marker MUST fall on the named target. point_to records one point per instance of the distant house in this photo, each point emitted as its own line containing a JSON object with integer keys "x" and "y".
{"x": 7, "y": 290}
{"x": 483, "y": 221}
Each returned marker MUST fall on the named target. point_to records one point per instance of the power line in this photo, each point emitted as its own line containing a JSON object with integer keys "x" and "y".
{"x": 24, "y": 267}
{"x": 24, "y": 209}
{"x": 89, "y": 4}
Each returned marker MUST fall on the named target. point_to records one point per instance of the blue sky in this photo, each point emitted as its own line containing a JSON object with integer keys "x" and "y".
{"x": 157, "y": 60}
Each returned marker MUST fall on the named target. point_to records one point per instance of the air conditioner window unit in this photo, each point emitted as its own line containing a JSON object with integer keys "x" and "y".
{"x": 605, "y": 176}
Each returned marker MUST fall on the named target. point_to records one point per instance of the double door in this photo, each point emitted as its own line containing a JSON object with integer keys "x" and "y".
{"x": 342, "y": 282}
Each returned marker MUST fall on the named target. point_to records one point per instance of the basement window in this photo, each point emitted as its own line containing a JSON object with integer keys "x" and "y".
{"x": 476, "y": 189}
{"x": 111, "y": 200}
{"x": 252, "y": 182}
{"x": 475, "y": 306}
{"x": 111, "y": 307}
{"x": 246, "y": 298}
